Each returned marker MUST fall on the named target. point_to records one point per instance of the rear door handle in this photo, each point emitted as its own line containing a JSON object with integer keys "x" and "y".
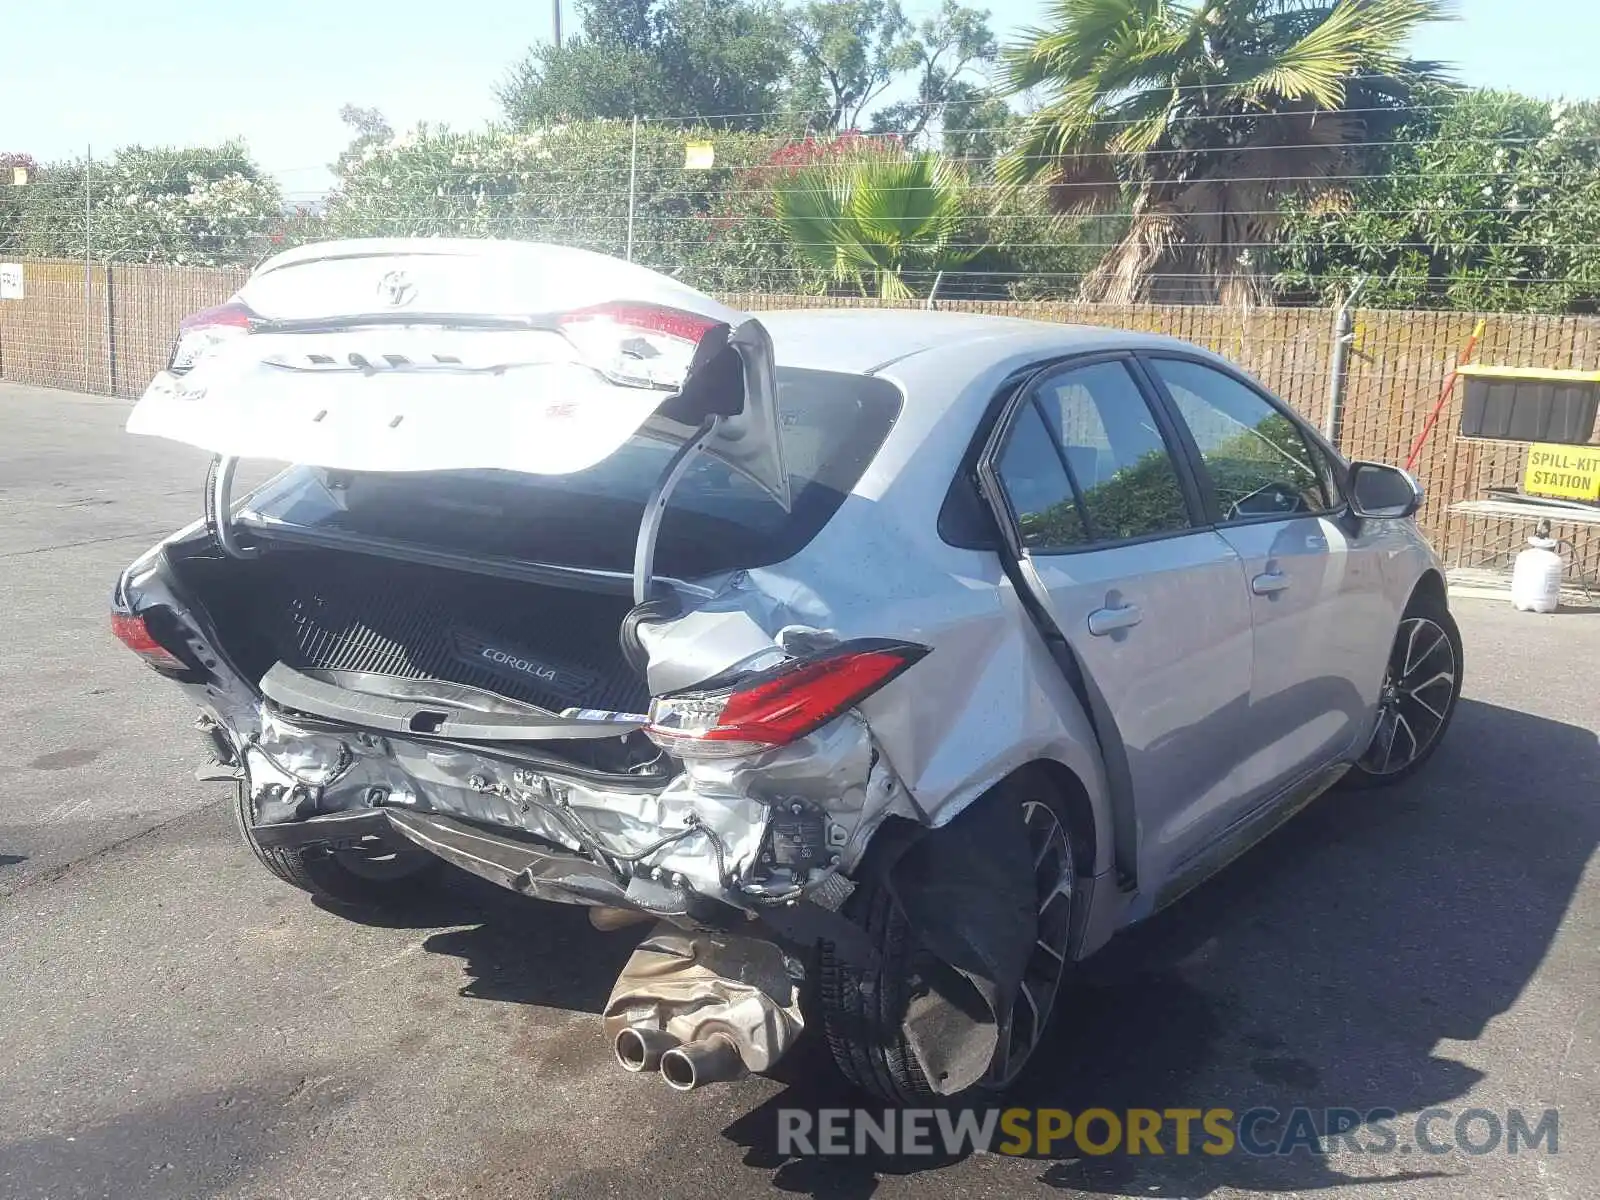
{"x": 1269, "y": 583}
{"x": 1103, "y": 621}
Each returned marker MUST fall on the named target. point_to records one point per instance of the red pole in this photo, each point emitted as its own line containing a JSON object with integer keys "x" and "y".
{"x": 1444, "y": 395}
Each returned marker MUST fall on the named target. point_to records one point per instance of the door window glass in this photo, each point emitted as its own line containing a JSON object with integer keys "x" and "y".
{"x": 1259, "y": 462}
{"x": 1036, "y": 484}
{"x": 1126, "y": 478}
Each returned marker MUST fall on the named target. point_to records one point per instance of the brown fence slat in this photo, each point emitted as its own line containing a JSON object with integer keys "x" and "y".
{"x": 1397, "y": 365}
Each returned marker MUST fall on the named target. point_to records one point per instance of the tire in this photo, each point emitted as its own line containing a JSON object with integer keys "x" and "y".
{"x": 1425, "y": 712}
{"x": 862, "y": 1011}
{"x": 343, "y": 878}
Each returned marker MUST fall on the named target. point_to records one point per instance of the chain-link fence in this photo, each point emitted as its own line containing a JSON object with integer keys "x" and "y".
{"x": 109, "y": 330}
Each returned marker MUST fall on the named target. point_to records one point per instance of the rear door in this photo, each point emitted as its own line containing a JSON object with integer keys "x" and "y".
{"x": 1107, "y": 527}
{"x": 1314, "y": 582}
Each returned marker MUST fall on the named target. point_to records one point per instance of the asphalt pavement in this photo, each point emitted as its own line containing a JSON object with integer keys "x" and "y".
{"x": 176, "y": 1023}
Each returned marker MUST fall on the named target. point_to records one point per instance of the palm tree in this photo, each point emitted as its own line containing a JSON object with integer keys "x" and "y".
{"x": 868, "y": 220}
{"x": 1197, "y": 120}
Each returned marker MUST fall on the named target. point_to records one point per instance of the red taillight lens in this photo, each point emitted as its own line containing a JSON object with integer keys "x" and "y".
{"x": 777, "y": 706}
{"x": 200, "y": 331}
{"x": 642, "y": 345}
{"x": 130, "y": 629}
{"x": 649, "y": 318}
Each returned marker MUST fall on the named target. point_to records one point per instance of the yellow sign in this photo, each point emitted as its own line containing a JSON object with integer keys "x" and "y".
{"x": 699, "y": 156}
{"x": 1571, "y": 472}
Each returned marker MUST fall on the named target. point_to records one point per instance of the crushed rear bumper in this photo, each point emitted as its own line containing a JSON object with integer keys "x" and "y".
{"x": 521, "y": 864}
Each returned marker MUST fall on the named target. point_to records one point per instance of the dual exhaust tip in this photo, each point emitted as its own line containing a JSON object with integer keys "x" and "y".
{"x": 684, "y": 1065}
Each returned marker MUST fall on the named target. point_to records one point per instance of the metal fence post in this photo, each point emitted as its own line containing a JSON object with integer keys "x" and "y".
{"x": 88, "y": 262}
{"x": 1343, "y": 336}
{"x": 633, "y": 180}
{"x": 111, "y": 330}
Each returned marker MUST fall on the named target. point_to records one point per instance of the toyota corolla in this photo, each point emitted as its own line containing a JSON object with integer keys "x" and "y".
{"x": 889, "y": 662}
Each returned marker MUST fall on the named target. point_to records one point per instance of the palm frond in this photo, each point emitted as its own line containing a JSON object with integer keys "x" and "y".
{"x": 915, "y": 199}
{"x": 1073, "y": 161}
{"x": 877, "y": 216}
{"x": 1203, "y": 115}
{"x": 1354, "y": 34}
{"x": 811, "y": 208}
{"x": 1076, "y": 38}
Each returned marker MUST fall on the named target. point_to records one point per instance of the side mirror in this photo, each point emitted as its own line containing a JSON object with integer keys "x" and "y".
{"x": 1381, "y": 492}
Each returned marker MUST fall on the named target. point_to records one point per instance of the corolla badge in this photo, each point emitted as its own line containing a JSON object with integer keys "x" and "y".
{"x": 396, "y": 289}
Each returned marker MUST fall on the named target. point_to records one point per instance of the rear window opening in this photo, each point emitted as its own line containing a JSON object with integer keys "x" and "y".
{"x": 832, "y": 425}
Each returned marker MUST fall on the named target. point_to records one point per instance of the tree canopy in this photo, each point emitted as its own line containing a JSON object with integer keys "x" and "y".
{"x": 1487, "y": 200}
{"x": 721, "y": 61}
{"x": 1197, "y": 119}
{"x": 817, "y": 66}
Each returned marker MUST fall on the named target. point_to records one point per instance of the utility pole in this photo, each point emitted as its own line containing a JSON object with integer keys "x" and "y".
{"x": 555, "y": 20}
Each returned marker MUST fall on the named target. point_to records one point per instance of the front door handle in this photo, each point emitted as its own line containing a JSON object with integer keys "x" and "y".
{"x": 1103, "y": 621}
{"x": 1269, "y": 583}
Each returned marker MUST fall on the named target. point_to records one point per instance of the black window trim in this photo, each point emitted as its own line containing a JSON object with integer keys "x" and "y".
{"x": 1196, "y": 461}
{"x": 1178, "y": 445}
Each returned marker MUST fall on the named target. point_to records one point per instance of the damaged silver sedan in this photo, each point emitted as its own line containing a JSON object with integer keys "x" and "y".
{"x": 888, "y": 661}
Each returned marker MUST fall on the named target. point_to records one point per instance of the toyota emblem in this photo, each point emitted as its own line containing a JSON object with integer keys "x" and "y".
{"x": 396, "y": 289}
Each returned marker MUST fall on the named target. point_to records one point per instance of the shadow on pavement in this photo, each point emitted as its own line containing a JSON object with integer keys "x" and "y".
{"x": 1321, "y": 969}
{"x": 202, "y": 1143}
{"x": 508, "y": 943}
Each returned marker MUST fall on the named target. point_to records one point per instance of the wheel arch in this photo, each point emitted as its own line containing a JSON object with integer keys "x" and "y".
{"x": 1431, "y": 588}
{"x": 1082, "y": 820}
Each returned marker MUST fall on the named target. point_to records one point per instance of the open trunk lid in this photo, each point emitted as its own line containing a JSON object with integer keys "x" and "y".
{"x": 418, "y": 354}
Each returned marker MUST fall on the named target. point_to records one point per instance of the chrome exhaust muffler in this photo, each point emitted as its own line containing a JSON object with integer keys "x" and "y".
{"x": 702, "y": 1007}
{"x": 639, "y": 1047}
{"x": 713, "y": 1059}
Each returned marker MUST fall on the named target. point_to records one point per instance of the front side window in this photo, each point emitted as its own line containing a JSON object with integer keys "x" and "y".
{"x": 1259, "y": 462}
{"x": 1085, "y": 463}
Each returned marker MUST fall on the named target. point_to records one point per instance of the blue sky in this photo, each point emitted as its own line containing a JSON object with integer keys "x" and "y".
{"x": 113, "y": 72}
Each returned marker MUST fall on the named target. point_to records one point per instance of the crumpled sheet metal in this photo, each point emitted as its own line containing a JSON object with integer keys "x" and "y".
{"x": 967, "y": 891}
{"x": 695, "y": 985}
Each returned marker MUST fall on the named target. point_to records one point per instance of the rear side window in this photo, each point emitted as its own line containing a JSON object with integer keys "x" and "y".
{"x": 1118, "y": 458}
{"x": 832, "y": 425}
{"x": 1037, "y": 486}
{"x": 1085, "y": 464}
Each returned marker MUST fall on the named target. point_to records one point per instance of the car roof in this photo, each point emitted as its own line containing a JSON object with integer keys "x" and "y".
{"x": 865, "y": 340}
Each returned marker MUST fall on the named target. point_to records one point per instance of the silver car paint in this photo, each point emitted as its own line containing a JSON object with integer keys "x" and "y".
{"x": 1178, "y": 682}
{"x": 990, "y": 698}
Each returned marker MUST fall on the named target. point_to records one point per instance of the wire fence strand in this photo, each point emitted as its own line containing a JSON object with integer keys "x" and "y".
{"x": 134, "y": 250}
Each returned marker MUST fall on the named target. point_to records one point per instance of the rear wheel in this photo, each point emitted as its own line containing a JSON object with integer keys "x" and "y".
{"x": 1420, "y": 689}
{"x": 863, "y": 1010}
{"x": 363, "y": 876}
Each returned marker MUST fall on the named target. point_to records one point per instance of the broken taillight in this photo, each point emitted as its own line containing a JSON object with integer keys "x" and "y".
{"x": 642, "y": 345}
{"x": 133, "y": 632}
{"x": 205, "y": 329}
{"x": 763, "y": 709}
